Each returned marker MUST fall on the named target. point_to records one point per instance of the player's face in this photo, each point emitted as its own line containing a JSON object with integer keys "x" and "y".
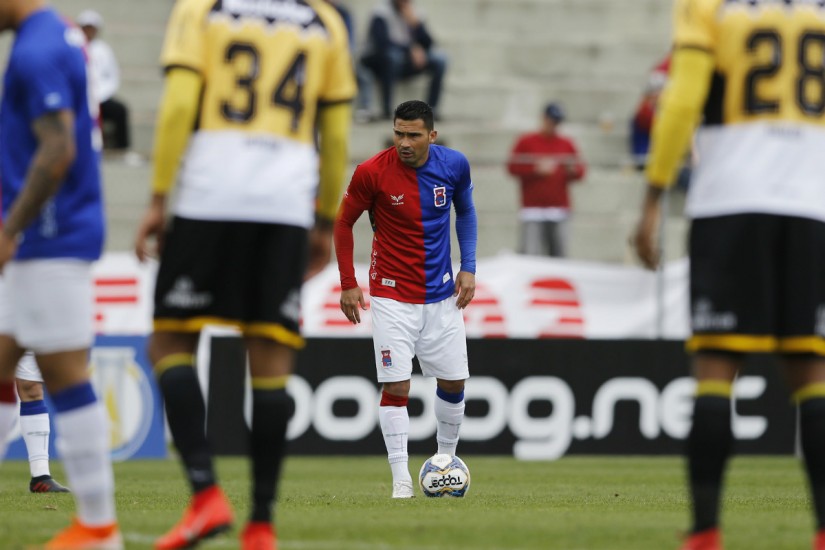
{"x": 412, "y": 141}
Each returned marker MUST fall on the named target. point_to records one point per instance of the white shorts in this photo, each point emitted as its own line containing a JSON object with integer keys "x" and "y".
{"x": 27, "y": 369}
{"x": 432, "y": 332}
{"x": 46, "y": 305}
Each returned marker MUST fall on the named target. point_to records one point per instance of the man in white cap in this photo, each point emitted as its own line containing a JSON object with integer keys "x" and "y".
{"x": 105, "y": 81}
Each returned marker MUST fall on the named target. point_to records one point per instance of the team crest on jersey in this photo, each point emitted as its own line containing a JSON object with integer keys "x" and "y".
{"x": 440, "y": 196}
{"x": 386, "y": 358}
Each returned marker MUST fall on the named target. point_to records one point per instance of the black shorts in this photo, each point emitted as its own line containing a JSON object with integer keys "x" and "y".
{"x": 757, "y": 284}
{"x": 241, "y": 274}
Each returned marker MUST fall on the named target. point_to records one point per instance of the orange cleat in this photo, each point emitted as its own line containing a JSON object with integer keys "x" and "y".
{"x": 819, "y": 541}
{"x": 259, "y": 535}
{"x": 709, "y": 539}
{"x": 81, "y": 537}
{"x": 207, "y": 515}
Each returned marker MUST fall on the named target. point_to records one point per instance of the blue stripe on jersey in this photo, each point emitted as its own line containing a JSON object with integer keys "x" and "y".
{"x": 46, "y": 73}
{"x": 74, "y": 397}
{"x": 445, "y": 173}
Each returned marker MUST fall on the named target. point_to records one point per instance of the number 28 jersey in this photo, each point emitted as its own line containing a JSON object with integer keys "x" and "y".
{"x": 267, "y": 66}
{"x": 760, "y": 147}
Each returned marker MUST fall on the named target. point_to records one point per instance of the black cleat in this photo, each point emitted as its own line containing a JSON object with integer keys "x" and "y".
{"x": 46, "y": 484}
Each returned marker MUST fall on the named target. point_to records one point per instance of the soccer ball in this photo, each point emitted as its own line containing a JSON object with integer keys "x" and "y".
{"x": 443, "y": 475}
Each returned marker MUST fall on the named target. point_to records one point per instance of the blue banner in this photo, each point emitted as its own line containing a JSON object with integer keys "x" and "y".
{"x": 122, "y": 377}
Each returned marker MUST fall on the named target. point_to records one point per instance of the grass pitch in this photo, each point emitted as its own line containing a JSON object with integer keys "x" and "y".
{"x": 343, "y": 503}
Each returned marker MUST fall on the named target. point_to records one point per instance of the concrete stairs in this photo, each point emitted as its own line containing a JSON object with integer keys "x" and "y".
{"x": 507, "y": 59}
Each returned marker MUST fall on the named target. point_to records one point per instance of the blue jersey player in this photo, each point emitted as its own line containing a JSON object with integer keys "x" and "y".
{"x": 52, "y": 231}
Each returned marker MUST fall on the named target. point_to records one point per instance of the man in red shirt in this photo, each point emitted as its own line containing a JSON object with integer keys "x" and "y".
{"x": 545, "y": 164}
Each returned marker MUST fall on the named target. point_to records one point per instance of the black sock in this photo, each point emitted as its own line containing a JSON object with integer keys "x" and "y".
{"x": 271, "y": 410}
{"x": 186, "y": 414}
{"x": 708, "y": 447}
{"x": 812, "y": 429}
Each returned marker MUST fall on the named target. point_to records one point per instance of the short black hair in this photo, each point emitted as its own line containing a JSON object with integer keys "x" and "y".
{"x": 414, "y": 110}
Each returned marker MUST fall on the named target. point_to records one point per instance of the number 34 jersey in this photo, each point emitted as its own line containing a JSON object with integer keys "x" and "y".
{"x": 761, "y": 146}
{"x": 267, "y": 66}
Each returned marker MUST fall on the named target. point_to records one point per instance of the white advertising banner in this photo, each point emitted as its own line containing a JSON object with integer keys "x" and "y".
{"x": 516, "y": 297}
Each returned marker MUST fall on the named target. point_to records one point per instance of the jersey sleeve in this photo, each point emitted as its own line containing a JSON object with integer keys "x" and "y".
{"x": 359, "y": 193}
{"x": 45, "y": 81}
{"x": 693, "y": 24}
{"x": 184, "y": 44}
{"x": 339, "y": 75}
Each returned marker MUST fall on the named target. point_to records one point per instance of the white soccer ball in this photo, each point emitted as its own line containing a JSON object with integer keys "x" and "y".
{"x": 443, "y": 475}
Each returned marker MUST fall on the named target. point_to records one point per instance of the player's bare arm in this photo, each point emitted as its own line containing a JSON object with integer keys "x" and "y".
{"x": 465, "y": 288}
{"x": 151, "y": 226}
{"x": 55, "y": 154}
{"x": 352, "y": 301}
{"x": 645, "y": 239}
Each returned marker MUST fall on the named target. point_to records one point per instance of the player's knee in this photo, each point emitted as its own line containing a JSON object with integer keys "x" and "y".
{"x": 29, "y": 390}
{"x": 400, "y": 389}
{"x": 451, "y": 386}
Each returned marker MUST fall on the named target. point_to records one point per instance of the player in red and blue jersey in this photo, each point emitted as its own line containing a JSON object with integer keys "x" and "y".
{"x": 52, "y": 231}
{"x": 409, "y": 190}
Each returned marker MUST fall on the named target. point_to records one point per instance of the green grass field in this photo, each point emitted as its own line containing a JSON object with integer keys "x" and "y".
{"x": 343, "y": 503}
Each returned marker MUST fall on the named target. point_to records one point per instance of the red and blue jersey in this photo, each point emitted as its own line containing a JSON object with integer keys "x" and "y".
{"x": 410, "y": 211}
{"x": 46, "y": 73}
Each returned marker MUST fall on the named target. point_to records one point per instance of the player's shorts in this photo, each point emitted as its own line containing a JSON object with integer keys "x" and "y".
{"x": 757, "y": 284}
{"x": 242, "y": 274}
{"x": 27, "y": 369}
{"x": 47, "y": 305}
{"x": 432, "y": 332}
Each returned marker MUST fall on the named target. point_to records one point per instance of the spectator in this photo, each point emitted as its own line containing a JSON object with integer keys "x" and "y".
{"x": 105, "y": 82}
{"x": 642, "y": 121}
{"x": 399, "y": 46}
{"x": 545, "y": 164}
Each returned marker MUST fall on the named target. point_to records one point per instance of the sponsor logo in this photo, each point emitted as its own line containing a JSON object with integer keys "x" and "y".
{"x": 705, "y": 318}
{"x": 388, "y": 282}
{"x": 397, "y": 200}
{"x": 292, "y": 12}
{"x": 386, "y": 358}
{"x": 183, "y": 295}
{"x": 445, "y": 278}
{"x": 662, "y": 412}
{"x": 445, "y": 481}
{"x": 291, "y": 308}
{"x": 440, "y": 196}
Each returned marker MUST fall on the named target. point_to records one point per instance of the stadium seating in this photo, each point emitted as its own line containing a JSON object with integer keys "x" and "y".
{"x": 507, "y": 58}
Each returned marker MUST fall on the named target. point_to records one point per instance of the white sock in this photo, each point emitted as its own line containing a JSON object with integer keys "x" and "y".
{"x": 83, "y": 442}
{"x": 8, "y": 414}
{"x": 395, "y": 425}
{"x": 449, "y": 417}
{"x": 35, "y": 429}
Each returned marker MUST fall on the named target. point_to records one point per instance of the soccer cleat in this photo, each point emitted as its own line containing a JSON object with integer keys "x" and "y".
{"x": 402, "y": 489}
{"x": 46, "y": 484}
{"x": 81, "y": 537}
{"x": 709, "y": 539}
{"x": 206, "y": 516}
{"x": 258, "y": 535}
{"x": 819, "y": 541}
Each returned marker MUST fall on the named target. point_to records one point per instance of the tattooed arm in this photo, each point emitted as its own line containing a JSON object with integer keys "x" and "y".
{"x": 54, "y": 156}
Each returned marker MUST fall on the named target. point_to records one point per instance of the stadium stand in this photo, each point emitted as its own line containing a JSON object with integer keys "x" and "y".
{"x": 507, "y": 59}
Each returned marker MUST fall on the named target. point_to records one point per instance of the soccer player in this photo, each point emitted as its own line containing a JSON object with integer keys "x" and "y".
{"x": 247, "y": 86}
{"x": 408, "y": 190}
{"x": 35, "y": 426}
{"x": 752, "y": 73}
{"x": 52, "y": 232}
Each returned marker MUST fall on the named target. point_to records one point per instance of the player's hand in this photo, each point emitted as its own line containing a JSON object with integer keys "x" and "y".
{"x": 320, "y": 249}
{"x": 465, "y": 288}
{"x": 152, "y": 226}
{"x": 645, "y": 240}
{"x": 546, "y": 165}
{"x": 8, "y": 248}
{"x": 351, "y": 301}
